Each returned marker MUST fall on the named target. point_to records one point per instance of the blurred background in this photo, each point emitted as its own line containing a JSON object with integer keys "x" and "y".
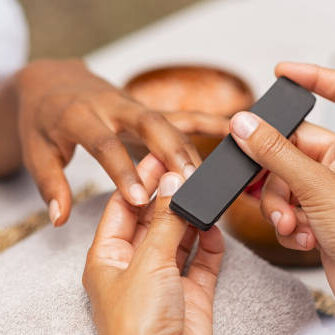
{"x": 73, "y": 28}
{"x": 232, "y": 44}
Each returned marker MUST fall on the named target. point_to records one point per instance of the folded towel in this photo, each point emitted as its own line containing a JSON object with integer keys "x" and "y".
{"x": 41, "y": 290}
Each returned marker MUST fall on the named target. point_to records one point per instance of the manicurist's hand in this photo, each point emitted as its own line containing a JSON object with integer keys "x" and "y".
{"x": 133, "y": 269}
{"x": 63, "y": 104}
{"x": 299, "y": 195}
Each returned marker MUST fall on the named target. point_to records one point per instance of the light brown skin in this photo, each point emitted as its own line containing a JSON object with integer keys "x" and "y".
{"x": 302, "y": 172}
{"x": 133, "y": 269}
{"x": 59, "y": 104}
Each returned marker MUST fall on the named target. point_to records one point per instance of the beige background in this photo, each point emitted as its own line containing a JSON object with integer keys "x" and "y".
{"x": 69, "y": 28}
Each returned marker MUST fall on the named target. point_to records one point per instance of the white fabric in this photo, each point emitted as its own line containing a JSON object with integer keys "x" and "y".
{"x": 41, "y": 290}
{"x": 14, "y": 38}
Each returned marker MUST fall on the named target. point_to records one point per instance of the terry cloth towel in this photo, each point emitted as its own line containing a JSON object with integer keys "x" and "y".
{"x": 41, "y": 290}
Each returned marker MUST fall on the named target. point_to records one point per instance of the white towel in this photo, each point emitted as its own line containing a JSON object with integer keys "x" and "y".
{"x": 41, "y": 290}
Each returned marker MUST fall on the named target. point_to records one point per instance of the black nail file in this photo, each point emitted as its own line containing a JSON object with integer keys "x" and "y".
{"x": 225, "y": 173}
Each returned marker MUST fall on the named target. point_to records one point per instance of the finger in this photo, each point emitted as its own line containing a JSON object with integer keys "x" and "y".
{"x": 143, "y": 224}
{"x": 301, "y": 239}
{"x": 276, "y": 207}
{"x": 269, "y": 148}
{"x": 199, "y": 123}
{"x": 166, "y": 229}
{"x": 120, "y": 218}
{"x": 313, "y": 140}
{"x": 329, "y": 157}
{"x": 168, "y": 144}
{"x": 44, "y": 162}
{"x": 109, "y": 151}
{"x": 185, "y": 246}
{"x": 206, "y": 264}
{"x": 314, "y": 78}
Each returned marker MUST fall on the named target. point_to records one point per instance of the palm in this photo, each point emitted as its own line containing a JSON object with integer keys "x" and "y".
{"x": 150, "y": 279}
{"x": 198, "y": 309}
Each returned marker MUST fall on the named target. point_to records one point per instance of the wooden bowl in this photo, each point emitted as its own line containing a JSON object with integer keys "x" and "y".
{"x": 192, "y": 88}
{"x": 217, "y": 91}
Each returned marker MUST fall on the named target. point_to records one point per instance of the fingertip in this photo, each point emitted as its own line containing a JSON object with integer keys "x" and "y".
{"x": 54, "y": 212}
{"x": 305, "y": 240}
{"x": 280, "y": 68}
{"x": 243, "y": 125}
{"x": 286, "y": 67}
{"x": 212, "y": 240}
{"x": 286, "y": 224}
{"x": 169, "y": 184}
{"x": 60, "y": 208}
{"x": 58, "y": 197}
{"x": 138, "y": 195}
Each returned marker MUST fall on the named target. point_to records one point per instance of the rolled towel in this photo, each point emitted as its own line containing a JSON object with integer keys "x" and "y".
{"x": 41, "y": 290}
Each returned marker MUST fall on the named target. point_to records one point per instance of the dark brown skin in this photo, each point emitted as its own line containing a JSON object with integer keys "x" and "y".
{"x": 59, "y": 104}
{"x": 10, "y": 148}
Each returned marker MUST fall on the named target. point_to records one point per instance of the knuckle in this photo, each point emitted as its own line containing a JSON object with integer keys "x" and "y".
{"x": 72, "y": 114}
{"x": 149, "y": 118}
{"x": 152, "y": 116}
{"x": 272, "y": 146}
{"x": 75, "y": 109}
{"x": 104, "y": 145}
{"x": 163, "y": 215}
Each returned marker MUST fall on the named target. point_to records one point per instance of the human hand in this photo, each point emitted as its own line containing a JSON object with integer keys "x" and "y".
{"x": 62, "y": 104}
{"x": 298, "y": 197}
{"x": 133, "y": 269}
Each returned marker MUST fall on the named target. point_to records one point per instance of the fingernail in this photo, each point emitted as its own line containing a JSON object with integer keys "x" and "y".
{"x": 54, "y": 211}
{"x": 188, "y": 170}
{"x": 169, "y": 184}
{"x": 275, "y": 217}
{"x": 139, "y": 194}
{"x": 302, "y": 239}
{"x": 244, "y": 124}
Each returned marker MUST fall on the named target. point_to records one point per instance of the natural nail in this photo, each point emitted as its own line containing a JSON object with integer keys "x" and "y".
{"x": 302, "y": 239}
{"x": 169, "y": 184}
{"x": 54, "y": 211}
{"x": 244, "y": 124}
{"x": 275, "y": 217}
{"x": 189, "y": 170}
{"x": 139, "y": 194}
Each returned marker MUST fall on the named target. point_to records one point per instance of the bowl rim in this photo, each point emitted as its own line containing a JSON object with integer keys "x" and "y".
{"x": 148, "y": 72}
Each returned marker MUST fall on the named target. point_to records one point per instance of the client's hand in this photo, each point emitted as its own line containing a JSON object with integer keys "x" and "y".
{"x": 133, "y": 269}
{"x": 299, "y": 195}
{"x": 63, "y": 104}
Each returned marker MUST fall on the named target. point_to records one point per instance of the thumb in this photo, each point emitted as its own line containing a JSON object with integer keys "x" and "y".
{"x": 167, "y": 229}
{"x": 270, "y": 149}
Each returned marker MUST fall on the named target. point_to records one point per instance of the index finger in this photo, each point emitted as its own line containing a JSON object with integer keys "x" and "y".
{"x": 313, "y": 140}
{"x": 119, "y": 218}
{"x": 314, "y": 78}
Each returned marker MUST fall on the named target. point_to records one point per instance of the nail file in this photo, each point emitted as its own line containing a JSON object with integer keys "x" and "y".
{"x": 204, "y": 197}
